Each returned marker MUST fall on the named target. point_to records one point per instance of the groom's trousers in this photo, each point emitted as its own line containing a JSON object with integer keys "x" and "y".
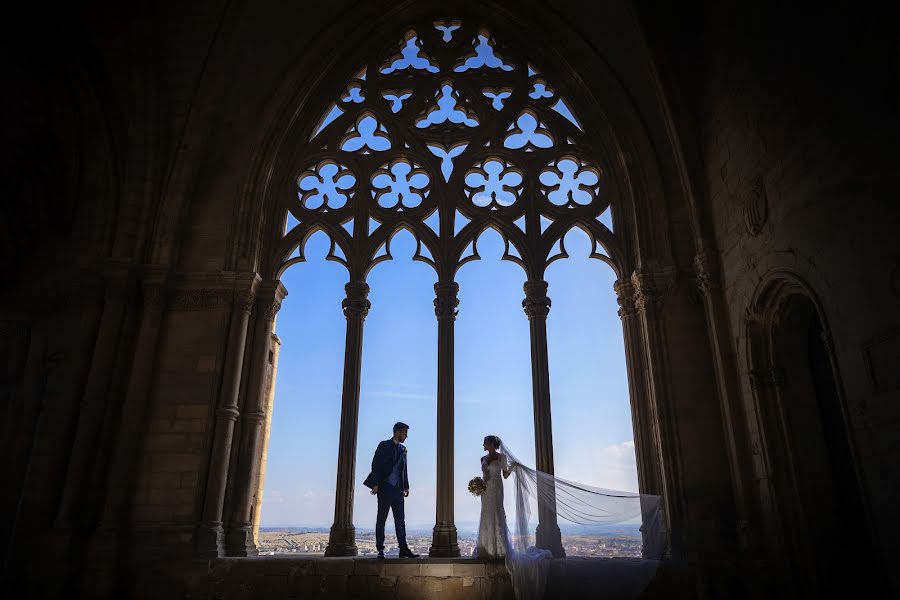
{"x": 390, "y": 497}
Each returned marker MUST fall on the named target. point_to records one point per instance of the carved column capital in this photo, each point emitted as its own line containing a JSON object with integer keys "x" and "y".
{"x": 244, "y": 301}
{"x": 705, "y": 272}
{"x": 356, "y": 304}
{"x": 536, "y": 302}
{"x": 651, "y": 286}
{"x": 625, "y": 297}
{"x": 268, "y": 299}
{"x": 445, "y": 300}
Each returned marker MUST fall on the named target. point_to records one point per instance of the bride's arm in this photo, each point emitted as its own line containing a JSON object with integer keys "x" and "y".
{"x": 507, "y": 467}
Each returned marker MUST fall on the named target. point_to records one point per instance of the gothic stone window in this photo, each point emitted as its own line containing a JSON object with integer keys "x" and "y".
{"x": 446, "y": 133}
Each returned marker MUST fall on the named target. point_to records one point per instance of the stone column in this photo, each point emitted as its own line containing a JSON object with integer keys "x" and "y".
{"x": 132, "y": 422}
{"x": 649, "y": 288}
{"x": 208, "y": 538}
{"x": 270, "y": 403}
{"x": 733, "y": 419}
{"x": 93, "y": 402}
{"x": 239, "y": 538}
{"x": 646, "y": 451}
{"x": 444, "y": 541}
{"x": 537, "y": 307}
{"x": 342, "y": 539}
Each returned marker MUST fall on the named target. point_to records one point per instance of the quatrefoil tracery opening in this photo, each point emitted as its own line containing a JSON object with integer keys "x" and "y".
{"x": 394, "y": 142}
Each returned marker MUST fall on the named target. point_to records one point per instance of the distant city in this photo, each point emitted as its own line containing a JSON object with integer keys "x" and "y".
{"x": 608, "y": 542}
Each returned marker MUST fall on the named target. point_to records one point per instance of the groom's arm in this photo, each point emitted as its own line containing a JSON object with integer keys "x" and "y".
{"x": 377, "y": 474}
{"x": 405, "y": 480}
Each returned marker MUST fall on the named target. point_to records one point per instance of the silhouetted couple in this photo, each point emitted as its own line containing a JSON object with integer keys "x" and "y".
{"x": 390, "y": 482}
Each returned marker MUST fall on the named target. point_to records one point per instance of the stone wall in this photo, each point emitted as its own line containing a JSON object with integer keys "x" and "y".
{"x": 796, "y": 129}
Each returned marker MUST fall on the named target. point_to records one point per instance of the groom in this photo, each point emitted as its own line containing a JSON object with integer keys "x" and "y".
{"x": 389, "y": 481}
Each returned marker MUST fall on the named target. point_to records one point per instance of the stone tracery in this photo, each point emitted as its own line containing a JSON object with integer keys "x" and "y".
{"x": 448, "y": 134}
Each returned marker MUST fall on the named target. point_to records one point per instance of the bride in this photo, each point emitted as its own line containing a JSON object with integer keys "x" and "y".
{"x": 529, "y": 566}
{"x": 493, "y": 533}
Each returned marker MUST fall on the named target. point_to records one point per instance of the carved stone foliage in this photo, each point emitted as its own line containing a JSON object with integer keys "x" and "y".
{"x": 445, "y": 300}
{"x": 536, "y": 303}
{"x": 200, "y": 299}
{"x": 446, "y": 132}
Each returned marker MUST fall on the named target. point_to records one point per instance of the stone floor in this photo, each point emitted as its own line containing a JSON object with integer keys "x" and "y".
{"x": 272, "y": 578}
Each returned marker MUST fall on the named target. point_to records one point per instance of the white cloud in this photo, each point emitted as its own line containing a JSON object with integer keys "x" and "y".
{"x": 612, "y": 467}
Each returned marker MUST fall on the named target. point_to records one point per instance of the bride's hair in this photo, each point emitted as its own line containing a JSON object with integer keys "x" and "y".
{"x": 494, "y": 440}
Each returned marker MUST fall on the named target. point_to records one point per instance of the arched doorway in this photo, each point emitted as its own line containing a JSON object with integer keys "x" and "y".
{"x": 820, "y": 505}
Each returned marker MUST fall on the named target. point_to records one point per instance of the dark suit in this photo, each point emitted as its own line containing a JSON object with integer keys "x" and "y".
{"x": 390, "y": 496}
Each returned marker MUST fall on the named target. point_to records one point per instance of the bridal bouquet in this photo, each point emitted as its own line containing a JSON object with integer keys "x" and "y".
{"x": 477, "y": 486}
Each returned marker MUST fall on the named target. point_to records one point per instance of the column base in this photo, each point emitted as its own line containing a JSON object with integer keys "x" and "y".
{"x": 208, "y": 539}
{"x": 550, "y": 538}
{"x": 239, "y": 542}
{"x": 341, "y": 541}
{"x": 443, "y": 542}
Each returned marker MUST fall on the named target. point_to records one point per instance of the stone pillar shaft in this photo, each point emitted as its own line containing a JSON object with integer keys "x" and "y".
{"x": 342, "y": 538}
{"x": 104, "y": 543}
{"x": 208, "y": 537}
{"x": 93, "y": 406}
{"x": 716, "y": 312}
{"x": 444, "y": 541}
{"x": 649, "y": 287}
{"x": 649, "y": 477}
{"x": 537, "y": 306}
{"x": 239, "y": 539}
{"x": 267, "y": 430}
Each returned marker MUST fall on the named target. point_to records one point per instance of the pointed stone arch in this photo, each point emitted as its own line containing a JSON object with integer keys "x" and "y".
{"x": 608, "y": 133}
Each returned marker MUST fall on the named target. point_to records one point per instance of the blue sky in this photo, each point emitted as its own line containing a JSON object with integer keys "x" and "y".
{"x": 592, "y": 431}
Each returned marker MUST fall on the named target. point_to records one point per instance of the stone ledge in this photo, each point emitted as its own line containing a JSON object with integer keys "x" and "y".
{"x": 275, "y": 577}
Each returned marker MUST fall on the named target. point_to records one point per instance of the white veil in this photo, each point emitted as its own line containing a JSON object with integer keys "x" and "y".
{"x": 584, "y": 505}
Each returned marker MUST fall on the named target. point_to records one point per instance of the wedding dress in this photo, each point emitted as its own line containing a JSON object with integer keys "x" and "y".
{"x": 529, "y": 566}
{"x": 493, "y": 532}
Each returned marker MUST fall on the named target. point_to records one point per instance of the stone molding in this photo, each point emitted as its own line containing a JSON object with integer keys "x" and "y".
{"x": 200, "y": 299}
{"x": 228, "y": 413}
